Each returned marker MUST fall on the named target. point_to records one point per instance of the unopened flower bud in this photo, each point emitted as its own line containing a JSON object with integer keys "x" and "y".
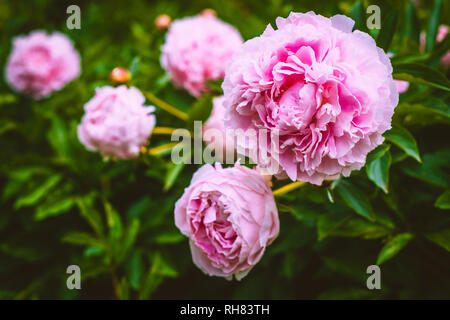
{"x": 162, "y": 21}
{"x": 208, "y": 13}
{"x": 120, "y": 76}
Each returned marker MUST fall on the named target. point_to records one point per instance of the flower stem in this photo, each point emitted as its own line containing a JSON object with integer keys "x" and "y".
{"x": 163, "y": 130}
{"x": 169, "y": 131}
{"x": 287, "y": 188}
{"x": 165, "y": 106}
{"x": 159, "y": 149}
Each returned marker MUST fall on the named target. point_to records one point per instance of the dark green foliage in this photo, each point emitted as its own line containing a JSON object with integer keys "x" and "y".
{"x": 62, "y": 205}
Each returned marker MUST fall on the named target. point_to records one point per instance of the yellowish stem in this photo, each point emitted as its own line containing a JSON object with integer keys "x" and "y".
{"x": 160, "y": 149}
{"x": 165, "y": 106}
{"x": 167, "y": 130}
{"x": 163, "y": 130}
{"x": 287, "y": 188}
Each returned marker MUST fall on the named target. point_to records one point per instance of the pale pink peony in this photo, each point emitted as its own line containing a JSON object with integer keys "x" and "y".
{"x": 230, "y": 217}
{"x": 197, "y": 50}
{"x": 41, "y": 63}
{"x": 443, "y": 30}
{"x": 214, "y": 132}
{"x": 116, "y": 122}
{"x": 325, "y": 91}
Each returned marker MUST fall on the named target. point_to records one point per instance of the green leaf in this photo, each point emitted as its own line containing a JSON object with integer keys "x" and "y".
{"x": 215, "y": 86}
{"x": 59, "y": 137}
{"x": 7, "y": 99}
{"x": 443, "y": 202}
{"x": 81, "y": 239}
{"x": 138, "y": 208}
{"x": 172, "y": 175}
{"x": 378, "y": 152}
{"x": 38, "y": 193}
{"x": 131, "y": 234}
{"x": 441, "y": 238}
{"x": 175, "y": 170}
{"x": 17, "y": 179}
{"x": 393, "y": 246}
{"x": 87, "y": 211}
{"x": 93, "y": 251}
{"x": 113, "y": 220}
{"x": 54, "y": 208}
{"x": 328, "y": 223}
{"x": 429, "y": 112}
{"x": 411, "y": 23}
{"x": 358, "y": 14}
{"x": 153, "y": 279}
{"x": 134, "y": 269}
{"x": 355, "y": 199}
{"x": 404, "y": 140}
{"x": 168, "y": 238}
{"x": 421, "y": 74}
{"x": 378, "y": 171}
{"x": 433, "y": 25}
{"x": 387, "y": 30}
{"x": 134, "y": 65}
{"x": 167, "y": 270}
{"x": 200, "y": 110}
{"x": 358, "y": 227}
{"x": 434, "y": 169}
{"x": 6, "y": 125}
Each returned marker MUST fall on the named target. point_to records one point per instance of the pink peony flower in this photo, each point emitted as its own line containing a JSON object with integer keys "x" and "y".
{"x": 116, "y": 122}
{"x": 197, "y": 50}
{"x": 230, "y": 217}
{"x": 443, "y": 30}
{"x": 41, "y": 63}
{"x": 326, "y": 92}
{"x": 214, "y": 132}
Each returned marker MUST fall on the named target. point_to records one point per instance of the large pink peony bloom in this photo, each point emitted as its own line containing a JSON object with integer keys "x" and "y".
{"x": 326, "y": 92}
{"x": 230, "y": 217}
{"x": 214, "y": 132}
{"x": 116, "y": 122}
{"x": 41, "y": 63}
{"x": 197, "y": 50}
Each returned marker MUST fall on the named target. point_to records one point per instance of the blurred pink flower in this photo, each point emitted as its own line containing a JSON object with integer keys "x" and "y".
{"x": 116, "y": 122}
{"x": 230, "y": 217}
{"x": 442, "y": 32}
{"x": 41, "y": 63}
{"x": 402, "y": 86}
{"x": 326, "y": 91}
{"x": 197, "y": 50}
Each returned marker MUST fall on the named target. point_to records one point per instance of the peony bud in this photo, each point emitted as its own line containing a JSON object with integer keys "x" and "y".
{"x": 120, "y": 76}
{"x": 208, "y": 13}
{"x": 162, "y": 21}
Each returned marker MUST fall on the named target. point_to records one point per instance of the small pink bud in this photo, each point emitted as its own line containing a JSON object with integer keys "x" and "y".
{"x": 208, "y": 13}
{"x": 120, "y": 76}
{"x": 162, "y": 21}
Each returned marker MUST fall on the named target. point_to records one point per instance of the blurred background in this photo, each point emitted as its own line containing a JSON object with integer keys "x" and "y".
{"x": 62, "y": 205}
